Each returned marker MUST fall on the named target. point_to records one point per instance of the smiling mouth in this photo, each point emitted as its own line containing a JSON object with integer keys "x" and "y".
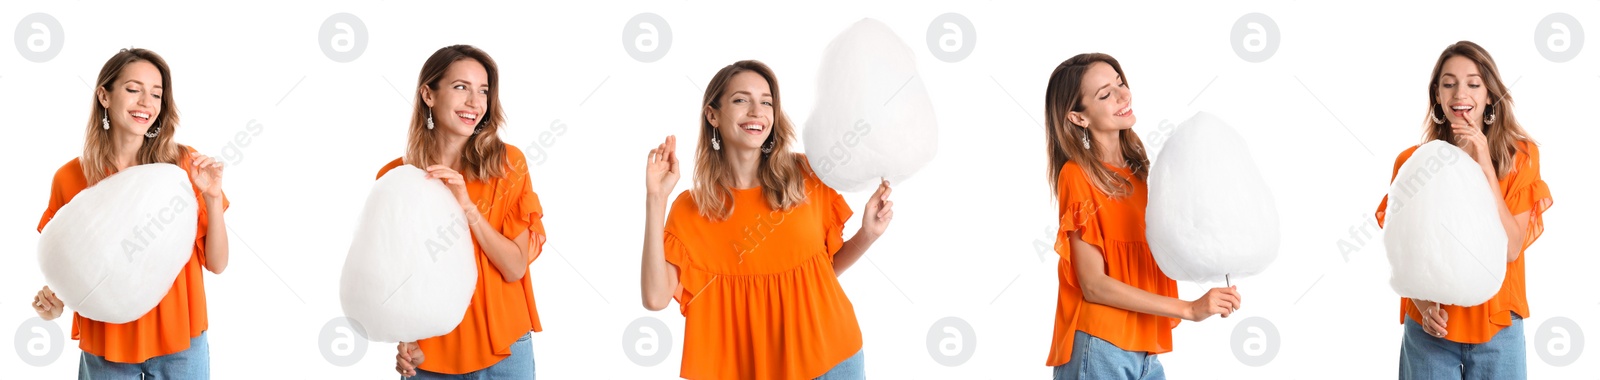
{"x": 753, "y": 127}
{"x": 1125, "y": 111}
{"x": 467, "y": 118}
{"x": 140, "y": 117}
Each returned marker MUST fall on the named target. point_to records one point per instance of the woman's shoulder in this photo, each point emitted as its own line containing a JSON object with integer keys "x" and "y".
{"x": 1071, "y": 176}
{"x": 70, "y": 171}
{"x": 1527, "y": 150}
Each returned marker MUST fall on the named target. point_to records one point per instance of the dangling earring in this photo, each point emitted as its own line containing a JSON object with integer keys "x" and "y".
{"x": 1085, "y": 138}
{"x": 716, "y": 143}
{"x": 1488, "y": 110}
{"x": 1435, "y": 115}
{"x": 153, "y": 132}
{"x": 105, "y": 120}
{"x": 767, "y": 148}
{"x": 430, "y": 118}
{"x": 475, "y": 131}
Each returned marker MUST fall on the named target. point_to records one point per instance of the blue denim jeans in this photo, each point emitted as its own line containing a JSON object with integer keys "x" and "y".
{"x": 1095, "y": 359}
{"x": 854, "y": 368}
{"x": 191, "y": 363}
{"x": 1426, "y": 357}
{"x": 517, "y": 366}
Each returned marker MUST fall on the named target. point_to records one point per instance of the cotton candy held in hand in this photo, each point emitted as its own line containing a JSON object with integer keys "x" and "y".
{"x": 873, "y": 118}
{"x": 1210, "y": 213}
{"x": 1442, "y": 229}
{"x": 411, "y": 270}
{"x": 112, "y": 253}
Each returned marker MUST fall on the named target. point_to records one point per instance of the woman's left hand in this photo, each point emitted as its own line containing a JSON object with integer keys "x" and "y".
{"x": 880, "y": 210}
{"x": 454, "y": 181}
{"x": 207, "y": 176}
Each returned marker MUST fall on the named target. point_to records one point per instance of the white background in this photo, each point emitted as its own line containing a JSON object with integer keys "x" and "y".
{"x": 1324, "y": 116}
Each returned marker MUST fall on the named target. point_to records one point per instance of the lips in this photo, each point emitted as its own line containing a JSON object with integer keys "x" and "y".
{"x": 753, "y": 127}
{"x": 140, "y": 117}
{"x": 1125, "y": 111}
{"x": 467, "y": 118}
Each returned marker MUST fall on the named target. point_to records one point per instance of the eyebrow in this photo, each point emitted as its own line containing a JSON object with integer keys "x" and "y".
{"x": 1453, "y": 75}
{"x": 1102, "y": 87}
{"x": 748, "y": 93}
{"x": 158, "y": 86}
{"x": 468, "y": 83}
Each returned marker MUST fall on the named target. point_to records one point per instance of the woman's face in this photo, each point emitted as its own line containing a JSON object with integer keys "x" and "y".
{"x": 134, "y": 101}
{"x": 1462, "y": 92}
{"x": 461, "y": 99}
{"x": 1107, "y": 102}
{"x": 744, "y": 119}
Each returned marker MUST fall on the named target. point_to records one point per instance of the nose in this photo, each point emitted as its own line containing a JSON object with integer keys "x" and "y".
{"x": 472, "y": 101}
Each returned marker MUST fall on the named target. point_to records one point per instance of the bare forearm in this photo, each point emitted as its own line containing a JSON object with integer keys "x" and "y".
{"x": 851, "y": 252}
{"x": 216, "y": 237}
{"x": 1089, "y": 264}
{"x": 656, "y": 278}
{"x": 1514, "y": 231}
{"x": 510, "y": 259}
{"x": 1110, "y": 292}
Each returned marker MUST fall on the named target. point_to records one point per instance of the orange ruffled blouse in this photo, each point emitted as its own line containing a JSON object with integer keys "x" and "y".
{"x": 1524, "y": 192}
{"x": 179, "y": 316}
{"x": 759, "y": 295}
{"x": 1116, "y": 227}
{"x": 500, "y": 312}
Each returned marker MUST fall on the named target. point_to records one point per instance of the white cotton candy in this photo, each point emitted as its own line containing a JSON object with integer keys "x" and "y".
{"x": 112, "y": 253}
{"x": 411, "y": 269}
{"x": 1442, "y": 229}
{"x": 873, "y": 118}
{"x": 1210, "y": 213}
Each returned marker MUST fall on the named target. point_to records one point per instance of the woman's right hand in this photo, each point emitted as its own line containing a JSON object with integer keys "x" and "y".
{"x": 47, "y": 304}
{"x": 1216, "y": 301}
{"x": 1434, "y": 319}
{"x": 408, "y": 359}
{"x": 661, "y": 173}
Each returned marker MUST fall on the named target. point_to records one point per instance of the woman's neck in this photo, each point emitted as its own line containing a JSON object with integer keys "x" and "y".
{"x": 1110, "y": 144}
{"x": 745, "y": 164}
{"x": 450, "y": 148}
{"x": 125, "y": 150}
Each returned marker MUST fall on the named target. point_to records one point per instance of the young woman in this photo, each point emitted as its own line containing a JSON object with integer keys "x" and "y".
{"x": 752, "y": 253}
{"x": 1115, "y": 309}
{"x": 454, "y": 136}
{"x": 131, "y": 122}
{"x": 1470, "y": 107}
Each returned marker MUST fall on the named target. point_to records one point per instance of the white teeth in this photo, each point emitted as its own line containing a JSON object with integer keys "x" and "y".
{"x": 753, "y": 127}
{"x": 1461, "y": 108}
{"x": 141, "y": 115}
{"x": 468, "y": 115}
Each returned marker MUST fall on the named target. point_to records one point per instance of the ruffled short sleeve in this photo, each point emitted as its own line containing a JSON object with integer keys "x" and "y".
{"x": 691, "y": 277}
{"x": 1526, "y": 192}
{"x": 836, "y": 214}
{"x": 522, "y": 210}
{"x": 1077, "y": 209}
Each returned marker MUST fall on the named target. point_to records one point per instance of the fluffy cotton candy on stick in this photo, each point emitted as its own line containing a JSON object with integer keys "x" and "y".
{"x": 1442, "y": 229}
{"x": 1210, "y": 214}
{"x": 873, "y": 119}
{"x": 411, "y": 269}
{"x": 112, "y": 253}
